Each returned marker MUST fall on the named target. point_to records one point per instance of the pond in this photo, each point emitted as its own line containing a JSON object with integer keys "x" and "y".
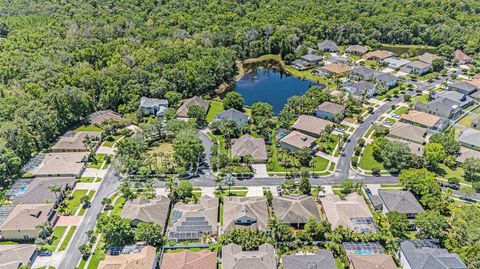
{"x": 266, "y": 83}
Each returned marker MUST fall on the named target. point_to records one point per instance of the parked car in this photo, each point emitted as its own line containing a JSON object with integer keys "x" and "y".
{"x": 45, "y": 252}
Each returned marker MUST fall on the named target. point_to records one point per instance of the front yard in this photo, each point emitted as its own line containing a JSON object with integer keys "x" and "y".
{"x": 421, "y": 98}
{"x": 367, "y": 162}
{"x": 216, "y": 107}
{"x": 278, "y": 159}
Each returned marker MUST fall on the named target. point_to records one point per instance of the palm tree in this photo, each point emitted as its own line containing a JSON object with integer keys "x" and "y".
{"x": 229, "y": 180}
{"x": 273, "y": 227}
{"x": 44, "y": 230}
{"x": 56, "y": 189}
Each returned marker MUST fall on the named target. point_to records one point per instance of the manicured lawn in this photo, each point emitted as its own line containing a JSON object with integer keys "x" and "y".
{"x": 220, "y": 213}
{"x": 57, "y": 235}
{"x": 98, "y": 255}
{"x": 467, "y": 120}
{"x": 370, "y": 131}
{"x": 69, "y": 235}
{"x": 216, "y": 107}
{"x": 88, "y": 128}
{"x": 367, "y": 162}
{"x": 87, "y": 179}
{"x": 328, "y": 145}
{"x": 477, "y": 111}
{"x": 421, "y": 98}
{"x": 274, "y": 164}
{"x": 74, "y": 203}
{"x": 111, "y": 143}
{"x": 401, "y": 110}
{"x": 118, "y": 206}
{"x": 231, "y": 193}
{"x": 99, "y": 158}
{"x": 444, "y": 172}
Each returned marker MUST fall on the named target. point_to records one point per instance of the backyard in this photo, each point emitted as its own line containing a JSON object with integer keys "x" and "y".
{"x": 467, "y": 120}
{"x": 401, "y": 110}
{"x": 216, "y": 107}
{"x": 421, "y": 98}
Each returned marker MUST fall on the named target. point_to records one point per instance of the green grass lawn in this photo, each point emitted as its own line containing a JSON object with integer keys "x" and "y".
{"x": 274, "y": 165}
{"x": 467, "y": 120}
{"x": 421, "y": 98}
{"x": 367, "y": 162}
{"x": 74, "y": 203}
{"x": 98, "y": 255}
{"x": 87, "y": 179}
{"x": 231, "y": 193}
{"x": 402, "y": 110}
{"x": 216, "y": 107}
{"x": 220, "y": 214}
{"x": 99, "y": 158}
{"x": 88, "y": 128}
{"x": 111, "y": 143}
{"x": 118, "y": 206}
{"x": 444, "y": 172}
{"x": 66, "y": 241}
{"x": 329, "y": 145}
{"x": 57, "y": 235}
{"x": 369, "y": 132}
{"x": 476, "y": 111}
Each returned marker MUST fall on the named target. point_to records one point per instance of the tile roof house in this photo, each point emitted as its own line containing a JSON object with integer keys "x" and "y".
{"x": 401, "y": 201}
{"x": 327, "y": 46}
{"x": 386, "y": 80}
{"x": 417, "y": 67}
{"x": 182, "y": 111}
{"x": 311, "y": 125}
{"x": 295, "y": 209}
{"x": 467, "y": 153}
{"x": 74, "y": 141}
{"x": 356, "y": 50}
{"x": 332, "y": 70}
{"x": 12, "y": 256}
{"x": 470, "y": 138}
{"x": 245, "y": 212}
{"x": 395, "y": 62}
{"x": 362, "y": 89}
{"x": 462, "y": 58}
{"x": 240, "y": 118}
{"x": 249, "y": 145}
{"x": 428, "y": 57}
{"x": 147, "y": 210}
{"x": 423, "y": 254}
{"x": 99, "y": 117}
{"x": 234, "y": 258}
{"x": 36, "y": 190}
{"x": 330, "y": 111}
{"x": 151, "y": 106}
{"x": 351, "y": 213}
{"x": 295, "y": 141}
{"x": 362, "y": 72}
{"x": 377, "y": 55}
{"x": 191, "y": 221}
{"x": 422, "y": 119}
{"x": 188, "y": 259}
{"x": 371, "y": 261}
{"x": 322, "y": 259}
{"x": 22, "y": 222}
{"x": 442, "y": 107}
{"x": 408, "y": 132}
{"x": 462, "y": 87}
{"x": 60, "y": 164}
{"x": 137, "y": 258}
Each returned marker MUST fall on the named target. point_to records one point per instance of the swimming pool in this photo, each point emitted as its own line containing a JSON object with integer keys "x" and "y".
{"x": 364, "y": 252}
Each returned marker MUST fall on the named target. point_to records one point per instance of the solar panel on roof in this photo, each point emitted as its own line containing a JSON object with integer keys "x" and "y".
{"x": 4, "y": 212}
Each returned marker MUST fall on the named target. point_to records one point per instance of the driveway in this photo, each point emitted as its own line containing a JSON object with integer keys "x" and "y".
{"x": 260, "y": 170}
{"x": 105, "y": 150}
{"x": 93, "y": 172}
{"x": 69, "y": 221}
{"x": 255, "y": 191}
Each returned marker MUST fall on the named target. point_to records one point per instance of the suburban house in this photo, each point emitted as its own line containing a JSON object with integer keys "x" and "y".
{"x": 327, "y": 46}
{"x": 142, "y": 209}
{"x": 362, "y": 72}
{"x": 12, "y": 256}
{"x": 245, "y": 212}
{"x": 240, "y": 118}
{"x": 475, "y": 123}
{"x": 470, "y": 138}
{"x": 99, "y": 117}
{"x": 428, "y": 57}
{"x": 233, "y": 257}
{"x": 330, "y": 111}
{"x": 295, "y": 141}
{"x": 311, "y": 125}
{"x": 462, "y": 58}
{"x": 474, "y": 81}
{"x": 425, "y": 254}
{"x": 295, "y": 209}
{"x": 370, "y": 261}
{"x": 401, "y": 201}
{"x": 182, "y": 111}
{"x": 57, "y": 164}
{"x": 352, "y": 213}
{"x": 356, "y": 50}
{"x": 462, "y": 87}
{"x": 249, "y": 145}
{"x": 191, "y": 221}
{"x": 443, "y": 107}
{"x": 408, "y": 132}
{"x": 151, "y": 106}
{"x": 415, "y": 148}
{"x": 37, "y": 190}
{"x": 462, "y": 99}
{"x": 188, "y": 259}
{"x": 332, "y": 70}
{"x": 322, "y": 259}
{"x": 422, "y": 119}
{"x": 386, "y": 80}
{"x": 377, "y": 55}
{"x": 362, "y": 89}
{"x": 417, "y": 67}
{"x": 338, "y": 60}
{"x": 22, "y": 221}
{"x": 138, "y": 257}
{"x": 308, "y": 60}
{"x": 73, "y": 141}
{"x": 467, "y": 153}
{"x": 394, "y": 62}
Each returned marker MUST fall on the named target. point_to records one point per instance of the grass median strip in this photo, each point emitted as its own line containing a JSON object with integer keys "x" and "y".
{"x": 67, "y": 238}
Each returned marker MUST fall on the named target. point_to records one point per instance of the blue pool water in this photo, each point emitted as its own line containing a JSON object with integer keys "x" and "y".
{"x": 264, "y": 84}
{"x": 364, "y": 252}
{"x": 20, "y": 191}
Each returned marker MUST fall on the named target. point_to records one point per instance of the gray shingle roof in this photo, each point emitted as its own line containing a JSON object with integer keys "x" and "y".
{"x": 422, "y": 254}
{"x": 362, "y": 71}
{"x": 327, "y": 45}
{"x": 152, "y": 102}
{"x": 145, "y": 210}
{"x": 323, "y": 259}
{"x": 357, "y": 48}
{"x": 385, "y": 77}
{"x": 400, "y": 201}
{"x": 182, "y": 111}
{"x": 470, "y": 137}
{"x": 234, "y": 258}
{"x": 295, "y": 209}
{"x": 249, "y": 145}
{"x": 254, "y": 210}
{"x": 311, "y": 57}
{"x": 12, "y": 256}
{"x": 464, "y": 86}
{"x": 363, "y": 85}
{"x": 231, "y": 114}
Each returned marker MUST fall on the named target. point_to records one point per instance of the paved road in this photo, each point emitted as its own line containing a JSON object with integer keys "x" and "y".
{"x": 109, "y": 185}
